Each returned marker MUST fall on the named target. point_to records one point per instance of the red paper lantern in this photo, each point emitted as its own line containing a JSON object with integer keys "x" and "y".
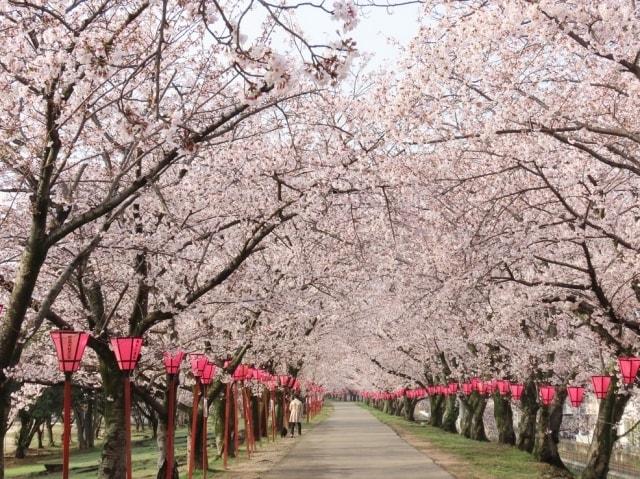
{"x": 453, "y": 388}
{"x": 70, "y": 346}
{"x": 629, "y": 368}
{"x": 208, "y": 371}
{"x": 481, "y": 387}
{"x": 467, "y": 388}
{"x": 172, "y": 361}
{"x": 240, "y": 374}
{"x": 576, "y": 395}
{"x": 601, "y": 385}
{"x": 516, "y": 391}
{"x": 198, "y": 362}
{"x": 127, "y": 351}
{"x": 547, "y": 393}
{"x": 284, "y": 380}
{"x": 474, "y": 383}
{"x": 503, "y": 387}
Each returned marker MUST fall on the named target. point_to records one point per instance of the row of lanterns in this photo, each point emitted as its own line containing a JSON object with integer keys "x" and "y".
{"x": 629, "y": 367}
{"x": 70, "y": 347}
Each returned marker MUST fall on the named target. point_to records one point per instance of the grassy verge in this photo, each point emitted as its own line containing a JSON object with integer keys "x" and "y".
{"x": 464, "y": 458}
{"x": 144, "y": 457}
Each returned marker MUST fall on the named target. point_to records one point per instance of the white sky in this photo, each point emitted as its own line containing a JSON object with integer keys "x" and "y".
{"x": 377, "y": 29}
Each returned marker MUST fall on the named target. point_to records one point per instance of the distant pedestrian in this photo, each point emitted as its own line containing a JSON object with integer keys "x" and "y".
{"x": 295, "y": 415}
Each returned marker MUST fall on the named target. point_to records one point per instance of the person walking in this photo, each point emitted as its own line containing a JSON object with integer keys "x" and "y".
{"x": 295, "y": 415}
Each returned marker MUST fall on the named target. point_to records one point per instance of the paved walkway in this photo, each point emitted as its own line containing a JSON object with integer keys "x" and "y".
{"x": 353, "y": 444}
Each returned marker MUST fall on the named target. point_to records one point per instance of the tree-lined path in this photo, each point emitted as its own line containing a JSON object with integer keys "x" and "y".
{"x": 352, "y": 443}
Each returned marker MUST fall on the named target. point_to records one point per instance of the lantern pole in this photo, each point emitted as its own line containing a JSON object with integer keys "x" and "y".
{"x": 66, "y": 434}
{"x": 272, "y": 400}
{"x": 205, "y": 460}
{"x": 127, "y": 422}
{"x": 235, "y": 417}
{"x": 247, "y": 420}
{"x": 194, "y": 425}
{"x": 226, "y": 423}
{"x": 170, "y": 425}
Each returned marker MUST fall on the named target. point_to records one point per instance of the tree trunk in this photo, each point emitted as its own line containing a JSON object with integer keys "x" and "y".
{"x": 5, "y": 394}
{"x": 264, "y": 415}
{"x": 198, "y": 445}
{"x": 80, "y": 427}
{"x": 437, "y": 410}
{"x": 548, "y": 431}
{"x": 451, "y": 411}
{"x": 50, "y": 439}
{"x": 605, "y": 434}
{"x": 112, "y": 463}
{"x": 89, "y": 436}
{"x": 255, "y": 416}
{"x": 527, "y": 425}
{"x": 472, "y": 425}
{"x": 408, "y": 408}
{"x": 504, "y": 419}
{"x": 39, "y": 434}
{"x": 28, "y": 427}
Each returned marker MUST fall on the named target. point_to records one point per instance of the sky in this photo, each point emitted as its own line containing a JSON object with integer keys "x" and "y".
{"x": 376, "y": 30}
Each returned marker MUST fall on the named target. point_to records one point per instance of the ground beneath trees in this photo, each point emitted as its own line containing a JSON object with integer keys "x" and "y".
{"x": 352, "y": 443}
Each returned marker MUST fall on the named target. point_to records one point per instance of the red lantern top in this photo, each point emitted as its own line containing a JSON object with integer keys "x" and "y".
{"x": 516, "y": 391}
{"x": 198, "y": 362}
{"x": 127, "y": 351}
{"x": 629, "y": 368}
{"x": 503, "y": 387}
{"x": 474, "y": 383}
{"x": 601, "y": 385}
{"x": 172, "y": 361}
{"x": 70, "y": 347}
{"x": 576, "y": 395}
{"x": 208, "y": 372}
{"x": 467, "y": 388}
{"x": 482, "y": 387}
{"x": 547, "y": 393}
{"x": 453, "y": 388}
{"x": 240, "y": 374}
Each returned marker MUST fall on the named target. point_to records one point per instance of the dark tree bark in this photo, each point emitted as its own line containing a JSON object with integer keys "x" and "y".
{"x": 408, "y": 408}
{"x": 548, "y": 431}
{"x": 451, "y": 412}
{"x": 50, "y": 439}
{"x": 472, "y": 425}
{"x": 605, "y": 434}
{"x": 527, "y": 425}
{"x": 437, "y": 410}
{"x": 504, "y": 419}
{"x": 112, "y": 463}
{"x": 29, "y": 425}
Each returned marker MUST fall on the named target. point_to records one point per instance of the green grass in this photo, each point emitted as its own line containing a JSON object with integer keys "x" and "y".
{"x": 467, "y": 458}
{"x": 144, "y": 457}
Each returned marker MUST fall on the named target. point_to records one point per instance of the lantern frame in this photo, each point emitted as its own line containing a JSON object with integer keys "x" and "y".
{"x": 503, "y": 387}
{"x": 601, "y": 385}
{"x": 576, "y": 395}
{"x": 70, "y": 346}
{"x": 547, "y": 393}
{"x": 172, "y": 361}
{"x": 516, "y": 391}
{"x": 629, "y": 368}
{"x": 208, "y": 371}
{"x": 127, "y": 350}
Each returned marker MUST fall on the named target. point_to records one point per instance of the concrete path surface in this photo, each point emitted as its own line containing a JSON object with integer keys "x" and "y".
{"x": 353, "y": 444}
